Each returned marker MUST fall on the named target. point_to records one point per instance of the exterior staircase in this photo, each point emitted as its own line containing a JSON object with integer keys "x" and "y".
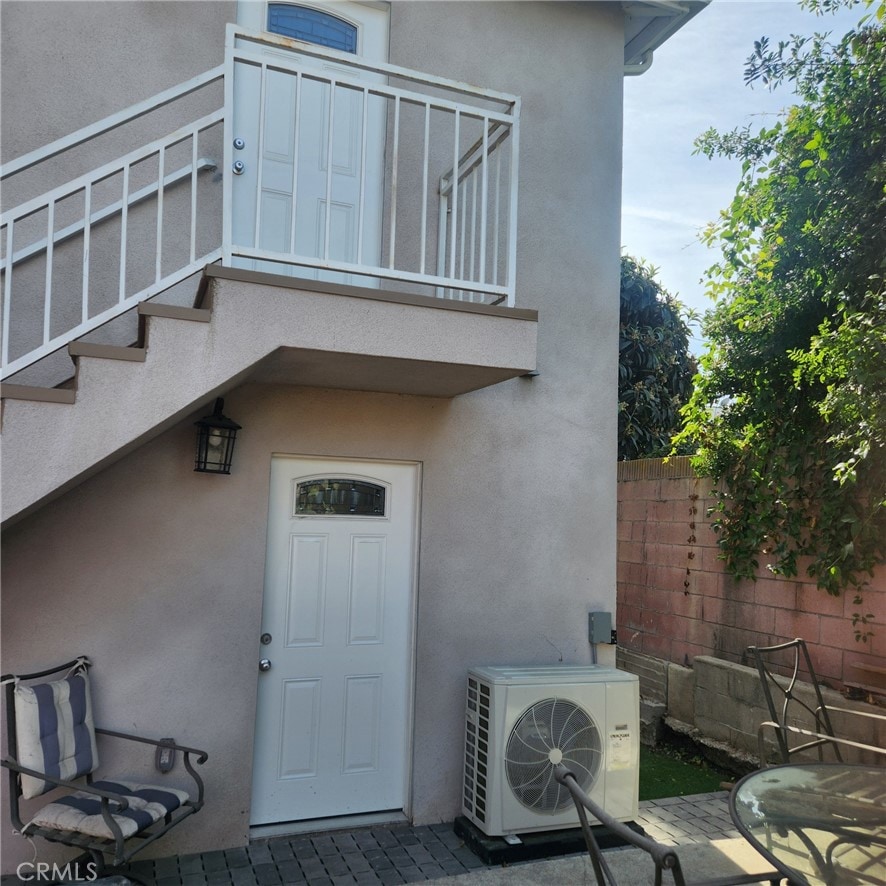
{"x": 65, "y": 278}
{"x": 247, "y": 326}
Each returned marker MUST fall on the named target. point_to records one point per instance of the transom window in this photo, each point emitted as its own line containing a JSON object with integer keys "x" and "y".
{"x": 332, "y": 496}
{"x": 312, "y": 26}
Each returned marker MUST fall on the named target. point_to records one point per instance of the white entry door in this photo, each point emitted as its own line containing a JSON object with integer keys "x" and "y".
{"x": 332, "y": 726}
{"x": 303, "y": 154}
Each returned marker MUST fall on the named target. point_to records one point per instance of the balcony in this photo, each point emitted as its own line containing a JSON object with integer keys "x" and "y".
{"x": 295, "y": 167}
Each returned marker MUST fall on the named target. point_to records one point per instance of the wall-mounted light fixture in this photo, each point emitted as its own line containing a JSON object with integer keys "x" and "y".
{"x": 215, "y": 441}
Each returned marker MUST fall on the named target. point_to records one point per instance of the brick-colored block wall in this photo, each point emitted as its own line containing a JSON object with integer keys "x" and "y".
{"x": 675, "y": 601}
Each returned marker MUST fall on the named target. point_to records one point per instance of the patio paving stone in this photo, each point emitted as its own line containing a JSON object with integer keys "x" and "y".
{"x": 398, "y": 854}
{"x": 214, "y": 861}
{"x": 337, "y": 867}
{"x": 260, "y": 853}
{"x": 237, "y": 858}
{"x": 313, "y": 868}
{"x": 357, "y": 863}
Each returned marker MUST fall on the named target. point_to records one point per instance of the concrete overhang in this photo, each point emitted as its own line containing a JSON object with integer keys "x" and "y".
{"x": 263, "y": 328}
{"x": 365, "y": 339}
{"x": 648, "y": 23}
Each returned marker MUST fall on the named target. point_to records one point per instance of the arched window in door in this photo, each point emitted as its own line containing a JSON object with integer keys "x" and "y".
{"x": 339, "y": 496}
{"x": 312, "y": 26}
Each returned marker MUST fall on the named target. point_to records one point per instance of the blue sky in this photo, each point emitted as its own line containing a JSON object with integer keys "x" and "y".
{"x": 696, "y": 81}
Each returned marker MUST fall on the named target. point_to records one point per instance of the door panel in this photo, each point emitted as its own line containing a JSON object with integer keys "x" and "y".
{"x": 332, "y": 720}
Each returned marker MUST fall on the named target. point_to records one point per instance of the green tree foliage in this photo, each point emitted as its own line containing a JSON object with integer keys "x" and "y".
{"x": 789, "y": 407}
{"x": 655, "y": 368}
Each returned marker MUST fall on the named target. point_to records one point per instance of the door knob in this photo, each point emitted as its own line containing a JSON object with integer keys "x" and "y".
{"x": 264, "y": 664}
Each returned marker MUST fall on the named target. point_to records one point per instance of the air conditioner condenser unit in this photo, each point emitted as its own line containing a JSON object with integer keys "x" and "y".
{"x": 521, "y": 722}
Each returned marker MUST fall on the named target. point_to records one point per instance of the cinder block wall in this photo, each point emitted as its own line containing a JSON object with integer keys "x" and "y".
{"x": 724, "y": 702}
{"x": 676, "y": 602}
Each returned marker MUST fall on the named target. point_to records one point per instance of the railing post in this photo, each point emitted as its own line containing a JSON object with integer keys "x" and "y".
{"x": 87, "y": 240}
{"x": 512, "y": 203}
{"x": 228, "y": 152}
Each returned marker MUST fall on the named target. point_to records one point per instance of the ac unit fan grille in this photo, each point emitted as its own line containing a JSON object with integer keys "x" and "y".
{"x": 558, "y": 725}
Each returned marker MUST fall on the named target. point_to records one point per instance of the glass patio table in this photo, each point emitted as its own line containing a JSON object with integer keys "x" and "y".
{"x": 818, "y": 823}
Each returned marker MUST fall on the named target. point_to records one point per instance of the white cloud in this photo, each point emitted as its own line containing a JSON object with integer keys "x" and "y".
{"x": 670, "y": 217}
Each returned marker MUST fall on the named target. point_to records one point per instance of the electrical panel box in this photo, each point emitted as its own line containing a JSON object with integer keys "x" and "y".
{"x": 599, "y": 627}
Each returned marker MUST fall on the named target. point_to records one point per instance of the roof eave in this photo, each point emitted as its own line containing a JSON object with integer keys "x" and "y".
{"x": 649, "y": 23}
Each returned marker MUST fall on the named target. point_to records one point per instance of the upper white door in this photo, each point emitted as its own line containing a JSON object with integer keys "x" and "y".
{"x": 304, "y": 154}
{"x": 332, "y": 724}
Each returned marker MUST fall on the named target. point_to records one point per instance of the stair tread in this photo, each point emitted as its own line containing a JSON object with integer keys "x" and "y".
{"x": 34, "y": 392}
{"x": 108, "y": 352}
{"x": 174, "y": 312}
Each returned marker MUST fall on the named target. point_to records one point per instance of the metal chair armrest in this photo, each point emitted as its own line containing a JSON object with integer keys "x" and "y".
{"x": 85, "y": 787}
{"x": 202, "y": 756}
{"x": 817, "y": 739}
{"x": 870, "y": 715}
{"x": 664, "y": 857}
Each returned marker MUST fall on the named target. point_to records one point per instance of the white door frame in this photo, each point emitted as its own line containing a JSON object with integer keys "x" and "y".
{"x": 363, "y": 466}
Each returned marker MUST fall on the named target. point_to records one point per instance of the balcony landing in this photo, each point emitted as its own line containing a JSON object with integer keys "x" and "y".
{"x": 367, "y": 339}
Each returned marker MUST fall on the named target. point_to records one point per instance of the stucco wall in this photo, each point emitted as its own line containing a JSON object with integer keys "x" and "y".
{"x": 676, "y": 601}
{"x": 65, "y": 66}
{"x": 156, "y": 572}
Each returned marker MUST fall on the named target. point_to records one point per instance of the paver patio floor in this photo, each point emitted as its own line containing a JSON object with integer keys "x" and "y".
{"x": 401, "y": 854}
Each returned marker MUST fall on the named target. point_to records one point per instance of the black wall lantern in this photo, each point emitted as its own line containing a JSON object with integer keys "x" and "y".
{"x": 215, "y": 441}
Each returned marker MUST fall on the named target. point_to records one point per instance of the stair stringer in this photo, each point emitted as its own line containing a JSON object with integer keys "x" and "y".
{"x": 50, "y": 447}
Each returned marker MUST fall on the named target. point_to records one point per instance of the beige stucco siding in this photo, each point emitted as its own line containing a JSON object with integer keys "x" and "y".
{"x": 157, "y": 572}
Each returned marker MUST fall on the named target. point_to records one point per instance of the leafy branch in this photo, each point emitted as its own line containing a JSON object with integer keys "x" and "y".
{"x": 788, "y": 410}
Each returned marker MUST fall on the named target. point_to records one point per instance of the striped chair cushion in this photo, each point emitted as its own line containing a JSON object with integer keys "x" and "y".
{"x": 81, "y": 812}
{"x": 55, "y": 731}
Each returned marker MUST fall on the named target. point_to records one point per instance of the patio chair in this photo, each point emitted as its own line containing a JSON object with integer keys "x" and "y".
{"x": 664, "y": 857}
{"x": 51, "y": 740}
{"x": 790, "y": 738}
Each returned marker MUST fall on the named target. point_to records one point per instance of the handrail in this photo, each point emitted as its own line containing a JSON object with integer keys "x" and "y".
{"x": 53, "y": 196}
{"x": 50, "y": 340}
{"x": 354, "y": 61}
{"x": 204, "y": 164}
{"x": 473, "y": 157}
{"x": 112, "y": 121}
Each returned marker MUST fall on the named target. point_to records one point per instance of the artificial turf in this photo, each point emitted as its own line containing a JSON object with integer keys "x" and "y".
{"x": 669, "y": 772}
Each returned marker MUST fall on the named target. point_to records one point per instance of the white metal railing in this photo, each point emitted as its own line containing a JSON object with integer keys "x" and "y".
{"x": 427, "y": 194}
{"x": 432, "y": 125}
{"x": 88, "y": 251}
